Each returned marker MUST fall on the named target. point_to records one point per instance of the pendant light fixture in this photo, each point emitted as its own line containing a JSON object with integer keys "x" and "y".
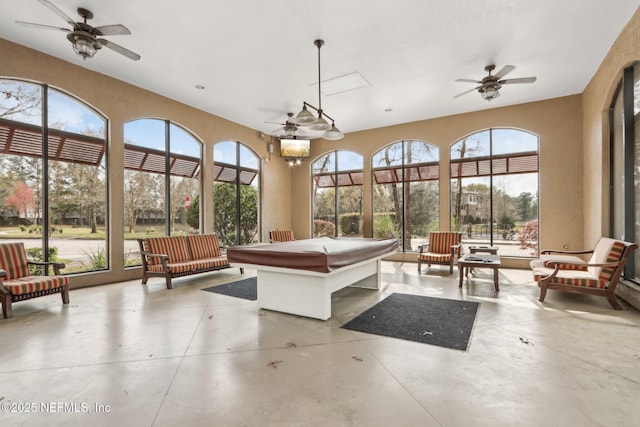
{"x": 319, "y": 123}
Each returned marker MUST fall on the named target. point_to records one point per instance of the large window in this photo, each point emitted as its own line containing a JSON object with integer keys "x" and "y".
{"x": 494, "y": 190}
{"x": 236, "y": 193}
{"x": 55, "y": 204}
{"x": 405, "y": 192}
{"x": 337, "y": 194}
{"x": 625, "y": 165}
{"x": 161, "y": 179}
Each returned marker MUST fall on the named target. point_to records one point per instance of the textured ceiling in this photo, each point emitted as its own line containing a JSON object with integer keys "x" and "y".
{"x": 257, "y": 61}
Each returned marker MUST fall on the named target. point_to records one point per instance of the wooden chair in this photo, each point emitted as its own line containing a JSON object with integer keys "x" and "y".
{"x": 444, "y": 248}
{"x": 566, "y": 271}
{"x": 17, "y": 283}
{"x": 281, "y": 236}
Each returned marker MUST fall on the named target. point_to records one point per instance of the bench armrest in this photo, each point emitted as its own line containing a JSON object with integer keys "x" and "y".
{"x": 57, "y": 266}
{"x": 147, "y": 255}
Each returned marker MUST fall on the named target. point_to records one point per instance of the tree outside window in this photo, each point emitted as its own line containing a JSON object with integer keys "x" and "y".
{"x": 236, "y": 193}
{"x": 337, "y": 194}
{"x": 162, "y": 170}
{"x": 494, "y": 190}
{"x": 405, "y": 192}
{"x": 55, "y": 204}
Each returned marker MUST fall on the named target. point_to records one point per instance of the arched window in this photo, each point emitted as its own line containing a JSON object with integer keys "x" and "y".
{"x": 162, "y": 164}
{"x": 236, "y": 195}
{"x": 624, "y": 117}
{"x": 337, "y": 194}
{"x": 56, "y": 205}
{"x": 494, "y": 190}
{"x": 405, "y": 192}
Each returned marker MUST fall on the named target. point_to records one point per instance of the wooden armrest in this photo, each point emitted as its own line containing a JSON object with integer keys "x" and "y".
{"x": 3, "y": 273}
{"x": 553, "y": 263}
{"x": 163, "y": 259}
{"x": 561, "y": 252}
{"x": 151, "y": 255}
{"x": 454, "y": 249}
{"x": 57, "y": 266}
{"x": 424, "y": 247}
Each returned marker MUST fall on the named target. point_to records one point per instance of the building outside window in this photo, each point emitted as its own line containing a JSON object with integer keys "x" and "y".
{"x": 494, "y": 190}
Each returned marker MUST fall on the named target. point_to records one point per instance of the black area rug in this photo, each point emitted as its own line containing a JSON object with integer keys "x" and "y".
{"x": 436, "y": 321}
{"x": 245, "y": 288}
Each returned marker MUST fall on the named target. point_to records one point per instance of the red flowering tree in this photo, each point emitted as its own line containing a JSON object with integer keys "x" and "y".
{"x": 528, "y": 237}
{"x": 22, "y": 200}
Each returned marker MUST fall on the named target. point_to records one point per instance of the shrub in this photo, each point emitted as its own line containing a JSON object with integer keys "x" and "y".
{"x": 322, "y": 228}
{"x": 97, "y": 259}
{"x": 35, "y": 254}
{"x": 384, "y": 227}
{"x": 350, "y": 223}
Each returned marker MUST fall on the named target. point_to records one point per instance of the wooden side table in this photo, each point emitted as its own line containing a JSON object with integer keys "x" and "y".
{"x": 470, "y": 261}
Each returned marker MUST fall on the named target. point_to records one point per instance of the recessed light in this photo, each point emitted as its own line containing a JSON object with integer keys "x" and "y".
{"x": 200, "y": 87}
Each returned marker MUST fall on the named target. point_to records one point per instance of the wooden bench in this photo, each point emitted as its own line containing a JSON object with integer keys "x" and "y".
{"x": 17, "y": 283}
{"x": 178, "y": 256}
{"x": 567, "y": 271}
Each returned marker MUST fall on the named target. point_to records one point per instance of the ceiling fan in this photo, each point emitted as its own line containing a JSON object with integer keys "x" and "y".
{"x": 288, "y": 129}
{"x": 490, "y": 85}
{"x": 83, "y": 36}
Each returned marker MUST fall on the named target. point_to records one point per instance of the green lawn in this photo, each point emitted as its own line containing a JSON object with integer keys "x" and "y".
{"x": 83, "y": 233}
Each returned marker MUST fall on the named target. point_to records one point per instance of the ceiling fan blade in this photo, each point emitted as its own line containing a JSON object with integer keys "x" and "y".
{"x": 276, "y": 123}
{"x": 518, "y": 80}
{"x": 44, "y": 27}
{"x": 468, "y": 81}
{"x": 53, "y": 8}
{"x": 467, "y": 91}
{"x": 121, "y": 50}
{"x": 504, "y": 71}
{"x": 112, "y": 30}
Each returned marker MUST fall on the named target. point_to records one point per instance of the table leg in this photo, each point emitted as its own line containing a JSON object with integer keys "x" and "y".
{"x": 495, "y": 278}
{"x": 461, "y": 273}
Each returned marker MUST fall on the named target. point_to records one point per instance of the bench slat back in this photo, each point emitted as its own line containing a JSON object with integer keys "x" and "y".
{"x": 204, "y": 246}
{"x": 174, "y": 247}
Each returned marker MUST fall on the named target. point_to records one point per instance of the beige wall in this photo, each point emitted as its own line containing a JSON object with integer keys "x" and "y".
{"x": 121, "y": 102}
{"x": 557, "y": 122}
{"x": 597, "y": 98}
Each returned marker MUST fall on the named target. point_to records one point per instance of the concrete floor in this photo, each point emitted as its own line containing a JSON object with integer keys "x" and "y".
{"x": 134, "y": 355}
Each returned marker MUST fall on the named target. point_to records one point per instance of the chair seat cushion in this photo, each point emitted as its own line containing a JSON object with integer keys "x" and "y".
{"x": 190, "y": 266}
{"x": 571, "y": 277}
{"x": 433, "y": 258}
{"x": 30, "y": 284}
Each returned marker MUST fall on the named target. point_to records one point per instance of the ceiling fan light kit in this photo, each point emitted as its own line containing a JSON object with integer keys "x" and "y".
{"x": 83, "y": 36}
{"x": 490, "y": 85}
{"x": 319, "y": 123}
